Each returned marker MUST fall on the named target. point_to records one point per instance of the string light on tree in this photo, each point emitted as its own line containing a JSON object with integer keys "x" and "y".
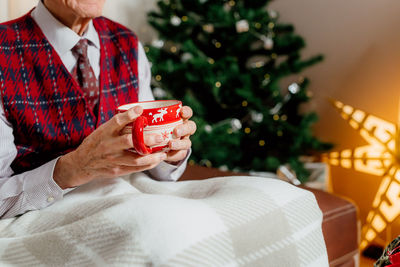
{"x": 271, "y": 25}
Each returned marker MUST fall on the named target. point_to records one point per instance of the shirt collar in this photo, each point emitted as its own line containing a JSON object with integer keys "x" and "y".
{"x": 62, "y": 38}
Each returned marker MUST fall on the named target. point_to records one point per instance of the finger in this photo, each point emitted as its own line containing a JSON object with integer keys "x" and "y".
{"x": 119, "y": 121}
{"x": 186, "y": 112}
{"x": 176, "y": 156}
{"x": 187, "y": 128}
{"x": 138, "y": 160}
{"x": 130, "y": 158}
{"x": 180, "y": 144}
{"x": 121, "y": 142}
{"x": 153, "y": 139}
{"x": 122, "y": 170}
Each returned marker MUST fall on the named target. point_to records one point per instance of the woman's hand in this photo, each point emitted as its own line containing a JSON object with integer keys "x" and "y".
{"x": 180, "y": 146}
{"x": 103, "y": 154}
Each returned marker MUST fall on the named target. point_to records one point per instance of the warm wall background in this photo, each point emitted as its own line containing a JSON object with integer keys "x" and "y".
{"x": 361, "y": 42}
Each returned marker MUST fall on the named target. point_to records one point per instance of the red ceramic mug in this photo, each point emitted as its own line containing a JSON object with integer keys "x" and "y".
{"x": 160, "y": 117}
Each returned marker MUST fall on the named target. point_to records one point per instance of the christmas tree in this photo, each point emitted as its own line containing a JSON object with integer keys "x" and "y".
{"x": 239, "y": 69}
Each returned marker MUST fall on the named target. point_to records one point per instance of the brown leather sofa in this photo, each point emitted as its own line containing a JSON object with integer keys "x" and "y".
{"x": 339, "y": 224}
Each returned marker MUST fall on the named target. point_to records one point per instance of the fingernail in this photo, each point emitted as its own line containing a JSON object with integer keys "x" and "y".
{"x": 138, "y": 109}
{"x": 179, "y": 132}
{"x": 172, "y": 145}
{"x": 163, "y": 156}
{"x": 159, "y": 139}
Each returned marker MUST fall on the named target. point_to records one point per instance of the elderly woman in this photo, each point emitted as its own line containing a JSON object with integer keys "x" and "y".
{"x": 63, "y": 72}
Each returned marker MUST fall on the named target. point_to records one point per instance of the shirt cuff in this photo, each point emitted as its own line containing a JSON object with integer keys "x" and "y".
{"x": 40, "y": 188}
{"x": 169, "y": 172}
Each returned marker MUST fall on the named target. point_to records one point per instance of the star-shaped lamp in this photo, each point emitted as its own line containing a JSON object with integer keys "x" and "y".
{"x": 381, "y": 157}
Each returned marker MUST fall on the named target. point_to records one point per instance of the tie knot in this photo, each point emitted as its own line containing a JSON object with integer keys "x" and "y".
{"x": 81, "y": 48}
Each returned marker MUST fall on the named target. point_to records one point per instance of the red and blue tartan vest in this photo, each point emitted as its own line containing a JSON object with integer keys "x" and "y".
{"x": 43, "y": 102}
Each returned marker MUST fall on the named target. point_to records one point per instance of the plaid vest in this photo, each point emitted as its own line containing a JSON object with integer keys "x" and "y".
{"x": 42, "y": 101}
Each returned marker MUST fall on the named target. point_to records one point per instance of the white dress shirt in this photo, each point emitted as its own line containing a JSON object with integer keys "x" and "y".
{"x": 36, "y": 189}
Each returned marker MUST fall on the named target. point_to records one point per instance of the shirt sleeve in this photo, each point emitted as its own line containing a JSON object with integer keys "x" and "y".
{"x": 30, "y": 190}
{"x": 164, "y": 171}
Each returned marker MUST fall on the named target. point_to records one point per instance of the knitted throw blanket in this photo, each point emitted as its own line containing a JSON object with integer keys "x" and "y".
{"x": 136, "y": 221}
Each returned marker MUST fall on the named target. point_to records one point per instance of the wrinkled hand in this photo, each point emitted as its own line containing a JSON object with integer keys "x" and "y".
{"x": 180, "y": 146}
{"x": 104, "y": 154}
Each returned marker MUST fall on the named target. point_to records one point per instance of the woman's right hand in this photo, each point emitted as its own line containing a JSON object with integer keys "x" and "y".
{"x": 104, "y": 154}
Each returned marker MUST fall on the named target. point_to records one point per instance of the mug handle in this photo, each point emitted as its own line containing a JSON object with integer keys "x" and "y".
{"x": 137, "y": 136}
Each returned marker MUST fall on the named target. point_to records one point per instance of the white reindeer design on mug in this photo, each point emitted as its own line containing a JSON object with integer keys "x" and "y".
{"x": 159, "y": 116}
{"x": 178, "y": 111}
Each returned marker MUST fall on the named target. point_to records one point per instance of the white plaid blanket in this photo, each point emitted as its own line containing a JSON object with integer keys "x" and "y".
{"x": 136, "y": 221}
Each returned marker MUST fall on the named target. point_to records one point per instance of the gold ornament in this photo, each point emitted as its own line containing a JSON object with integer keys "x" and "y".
{"x": 218, "y": 84}
{"x": 158, "y": 78}
{"x": 380, "y": 157}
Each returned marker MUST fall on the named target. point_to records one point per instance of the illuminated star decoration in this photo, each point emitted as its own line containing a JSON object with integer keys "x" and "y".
{"x": 380, "y": 157}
